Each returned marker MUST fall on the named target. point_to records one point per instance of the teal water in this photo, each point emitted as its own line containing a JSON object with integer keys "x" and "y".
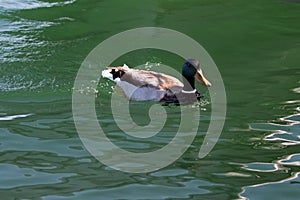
{"x": 255, "y": 45}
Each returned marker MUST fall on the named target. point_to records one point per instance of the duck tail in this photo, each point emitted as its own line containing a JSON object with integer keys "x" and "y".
{"x": 113, "y": 73}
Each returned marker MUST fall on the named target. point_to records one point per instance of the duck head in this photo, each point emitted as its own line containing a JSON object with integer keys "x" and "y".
{"x": 190, "y": 71}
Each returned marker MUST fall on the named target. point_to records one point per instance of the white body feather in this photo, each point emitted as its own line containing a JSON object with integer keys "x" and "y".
{"x": 147, "y": 86}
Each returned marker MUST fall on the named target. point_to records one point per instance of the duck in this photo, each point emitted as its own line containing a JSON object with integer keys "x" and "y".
{"x": 142, "y": 85}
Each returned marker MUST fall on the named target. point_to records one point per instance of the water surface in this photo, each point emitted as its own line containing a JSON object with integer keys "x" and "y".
{"x": 256, "y": 47}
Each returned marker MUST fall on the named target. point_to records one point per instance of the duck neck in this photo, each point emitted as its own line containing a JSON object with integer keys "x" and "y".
{"x": 188, "y": 83}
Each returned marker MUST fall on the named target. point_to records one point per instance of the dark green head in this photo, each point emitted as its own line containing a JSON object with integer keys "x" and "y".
{"x": 191, "y": 70}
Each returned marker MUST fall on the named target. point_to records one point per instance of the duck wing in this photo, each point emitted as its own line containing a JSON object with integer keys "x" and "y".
{"x": 160, "y": 81}
{"x": 142, "y": 78}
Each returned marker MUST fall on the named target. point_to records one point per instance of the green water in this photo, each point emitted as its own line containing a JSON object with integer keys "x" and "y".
{"x": 255, "y": 45}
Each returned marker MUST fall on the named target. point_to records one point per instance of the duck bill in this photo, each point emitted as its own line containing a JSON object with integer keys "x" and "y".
{"x": 201, "y": 79}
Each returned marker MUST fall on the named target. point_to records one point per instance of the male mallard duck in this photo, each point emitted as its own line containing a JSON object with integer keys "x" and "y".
{"x": 141, "y": 85}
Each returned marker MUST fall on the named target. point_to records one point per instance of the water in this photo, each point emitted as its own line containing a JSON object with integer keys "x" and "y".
{"x": 256, "y": 47}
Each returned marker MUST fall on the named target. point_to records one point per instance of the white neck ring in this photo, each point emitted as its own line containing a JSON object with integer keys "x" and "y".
{"x": 188, "y": 92}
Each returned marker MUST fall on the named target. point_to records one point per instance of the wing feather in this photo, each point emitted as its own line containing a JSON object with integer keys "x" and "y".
{"x": 142, "y": 78}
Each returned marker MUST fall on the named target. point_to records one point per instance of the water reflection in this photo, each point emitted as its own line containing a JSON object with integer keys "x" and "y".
{"x": 283, "y": 189}
{"x": 293, "y": 160}
{"x": 286, "y": 131}
{"x": 141, "y": 191}
{"x": 261, "y": 167}
{"x": 12, "y": 176}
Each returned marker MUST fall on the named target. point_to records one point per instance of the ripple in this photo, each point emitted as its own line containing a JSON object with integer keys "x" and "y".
{"x": 18, "y": 82}
{"x": 288, "y": 134}
{"x": 63, "y": 147}
{"x": 284, "y": 189}
{"x": 12, "y": 176}
{"x": 286, "y": 131}
{"x": 296, "y": 90}
{"x": 261, "y": 167}
{"x": 18, "y": 40}
{"x": 191, "y": 187}
{"x": 42, "y": 123}
{"x": 30, "y": 4}
{"x": 168, "y": 173}
{"x": 12, "y": 117}
{"x": 65, "y": 19}
{"x": 233, "y": 174}
{"x": 292, "y": 160}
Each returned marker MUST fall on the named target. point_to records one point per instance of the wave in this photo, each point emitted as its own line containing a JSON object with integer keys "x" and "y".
{"x": 18, "y": 82}
{"x": 287, "y": 133}
{"x": 30, "y": 4}
{"x": 12, "y": 117}
{"x": 283, "y": 189}
{"x": 284, "y": 132}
